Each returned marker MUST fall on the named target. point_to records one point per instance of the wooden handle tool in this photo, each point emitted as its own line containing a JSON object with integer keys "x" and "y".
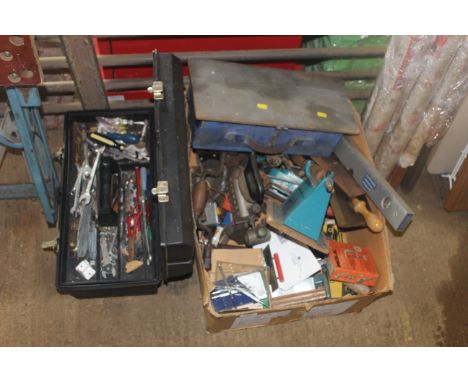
{"x": 352, "y": 189}
{"x": 374, "y": 223}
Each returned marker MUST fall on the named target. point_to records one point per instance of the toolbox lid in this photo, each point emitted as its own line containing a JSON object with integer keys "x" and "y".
{"x": 243, "y": 94}
{"x": 170, "y": 156}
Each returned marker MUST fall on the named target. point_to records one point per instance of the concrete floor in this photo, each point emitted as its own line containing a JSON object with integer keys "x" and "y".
{"x": 428, "y": 307}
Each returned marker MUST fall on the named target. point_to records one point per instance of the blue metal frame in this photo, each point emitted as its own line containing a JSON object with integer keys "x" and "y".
{"x": 36, "y": 152}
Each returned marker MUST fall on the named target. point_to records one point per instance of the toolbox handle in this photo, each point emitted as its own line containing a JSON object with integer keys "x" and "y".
{"x": 269, "y": 150}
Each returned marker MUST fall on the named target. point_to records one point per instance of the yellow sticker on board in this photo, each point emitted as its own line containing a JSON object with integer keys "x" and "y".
{"x": 262, "y": 106}
{"x": 322, "y": 114}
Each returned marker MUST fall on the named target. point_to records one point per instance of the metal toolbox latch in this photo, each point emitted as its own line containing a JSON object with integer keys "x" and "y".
{"x": 162, "y": 191}
{"x": 157, "y": 89}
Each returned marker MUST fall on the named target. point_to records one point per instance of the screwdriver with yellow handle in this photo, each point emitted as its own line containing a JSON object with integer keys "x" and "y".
{"x": 107, "y": 141}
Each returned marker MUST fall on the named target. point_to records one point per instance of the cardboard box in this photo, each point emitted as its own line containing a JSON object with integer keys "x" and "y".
{"x": 244, "y": 256}
{"x": 377, "y": 244}
{"x": 350, "y": 263}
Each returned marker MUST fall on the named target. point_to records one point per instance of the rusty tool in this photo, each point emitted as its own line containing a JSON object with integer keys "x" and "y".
{"x": 342, "y": 177}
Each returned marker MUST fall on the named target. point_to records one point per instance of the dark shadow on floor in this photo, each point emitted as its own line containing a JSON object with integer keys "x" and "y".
{"x": 453, "y": 295}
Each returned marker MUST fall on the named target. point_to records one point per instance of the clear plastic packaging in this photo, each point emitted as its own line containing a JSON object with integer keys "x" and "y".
{"x": 415, "y": 100}
{"x": 398, "y": 74}
{"x": 240, "y": 286}
{"x": 443, "y": 107}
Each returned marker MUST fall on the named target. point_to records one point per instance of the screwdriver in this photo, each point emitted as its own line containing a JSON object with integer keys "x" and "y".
{"x": 129, "y": 139}
{"x": 106, "y": 141}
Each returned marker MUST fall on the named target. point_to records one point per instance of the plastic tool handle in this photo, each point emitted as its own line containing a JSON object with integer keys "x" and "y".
{"x": 129, "y": 139}
{"x": 105, "y": 175}
{"x": 106, "y": 141}
{"x": 143, "y": 179}
{"x": 107, "y": 216}
{"x": 374, "y": 223}
{"x": 279, "y": 269}
{"x": 138, "y": 181}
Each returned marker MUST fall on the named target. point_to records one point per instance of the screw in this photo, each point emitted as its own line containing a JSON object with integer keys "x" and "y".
{"x": 386, "y": 202}
{"x": 6, "y": 55}
{"x": 14, "y": 77}
{"x": 16, "y": 40}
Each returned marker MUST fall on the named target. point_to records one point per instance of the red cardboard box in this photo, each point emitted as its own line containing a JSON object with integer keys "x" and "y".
{"x": 351, "y": 263}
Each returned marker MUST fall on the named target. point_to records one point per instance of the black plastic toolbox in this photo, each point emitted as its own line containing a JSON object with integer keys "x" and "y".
{"x": 172, "y": 230}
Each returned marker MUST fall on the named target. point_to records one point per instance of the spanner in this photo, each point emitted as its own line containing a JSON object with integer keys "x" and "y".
{"x": 85, "y": 198}
{"x": 83, "y": 171}
{"x": 76, "y": 191}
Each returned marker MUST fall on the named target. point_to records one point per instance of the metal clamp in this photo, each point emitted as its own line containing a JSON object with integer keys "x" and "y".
{"x": 157, "y": 89}
{"x": 162, "y": 191}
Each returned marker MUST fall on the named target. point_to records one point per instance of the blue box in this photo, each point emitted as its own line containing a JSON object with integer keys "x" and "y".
{"x": 223, "y": 136}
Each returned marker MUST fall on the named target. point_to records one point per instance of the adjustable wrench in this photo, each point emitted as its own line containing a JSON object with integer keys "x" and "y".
{"x": 85, "y": 198}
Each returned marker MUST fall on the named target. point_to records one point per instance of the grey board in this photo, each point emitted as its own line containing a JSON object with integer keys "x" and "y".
{"x": 237, "y": 93}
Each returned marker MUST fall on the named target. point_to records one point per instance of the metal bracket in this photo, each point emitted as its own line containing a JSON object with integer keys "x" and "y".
{"x": 162, "y": 191}
{"x": 157, "y": 89}
{"x": 19, "y": 62}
